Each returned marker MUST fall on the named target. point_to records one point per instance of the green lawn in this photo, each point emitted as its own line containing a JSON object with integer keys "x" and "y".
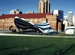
{"x": 36, "y": 46}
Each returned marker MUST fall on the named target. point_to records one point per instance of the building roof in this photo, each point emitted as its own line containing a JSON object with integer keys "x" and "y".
{"x": 34, "y": 15}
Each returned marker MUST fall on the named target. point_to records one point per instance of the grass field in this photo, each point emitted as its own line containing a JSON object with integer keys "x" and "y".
{"x": 36, "y": 46}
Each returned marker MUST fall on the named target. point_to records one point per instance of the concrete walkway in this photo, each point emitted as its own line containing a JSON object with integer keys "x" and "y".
{"x": 6, "y": 34}
{"x": 26, "y": 35}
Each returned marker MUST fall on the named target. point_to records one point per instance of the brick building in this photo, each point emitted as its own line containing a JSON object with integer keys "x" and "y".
{"x": 7, "y": 21}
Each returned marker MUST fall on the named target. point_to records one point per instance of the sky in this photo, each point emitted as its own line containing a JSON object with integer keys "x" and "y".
{"x": 32, "y": 5}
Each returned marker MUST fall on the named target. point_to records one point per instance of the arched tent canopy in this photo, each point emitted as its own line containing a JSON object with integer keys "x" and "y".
{"x": 70, "y": 30}
{"x": 24, "y": 25}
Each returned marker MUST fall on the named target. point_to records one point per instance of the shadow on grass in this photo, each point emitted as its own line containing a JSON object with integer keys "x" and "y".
{"x": 27, "y": 52}
{"x": 64, "y": 51}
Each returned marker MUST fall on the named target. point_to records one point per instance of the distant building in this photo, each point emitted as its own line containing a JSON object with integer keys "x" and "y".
{"x": 7, "y": 21}
{"x": 70, "y": 18}
{"x": 65, "y": 22}
{"x": 74, "y": 20}
{"x": 66, "y": 17}
{"x": 59, "y": 13}
{"x": 30, "y": 12}
{"x": 44, "y": 6}
{"x": 16, "y": 11}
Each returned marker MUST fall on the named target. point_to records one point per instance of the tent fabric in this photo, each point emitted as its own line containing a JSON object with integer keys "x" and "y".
{"x": 24, "y": 24}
